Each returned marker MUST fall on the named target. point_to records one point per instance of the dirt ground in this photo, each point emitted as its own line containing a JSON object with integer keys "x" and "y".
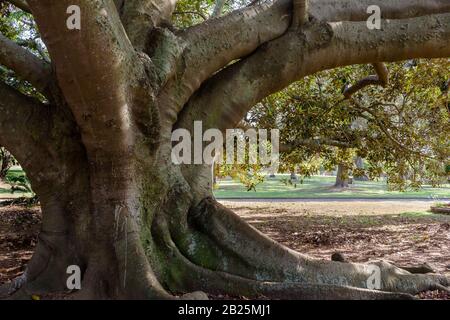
{"x": 19, "y": 227}
{"x": 402, "y": 232}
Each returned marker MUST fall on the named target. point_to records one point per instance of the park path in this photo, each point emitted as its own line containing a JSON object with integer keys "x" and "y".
{"x": 342, "y": 199}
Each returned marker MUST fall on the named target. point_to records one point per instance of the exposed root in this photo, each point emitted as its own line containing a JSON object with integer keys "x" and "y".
{"x": 8, "y": 289}
{"x": 218, "y": 282}
{"x": 282, "y": 272}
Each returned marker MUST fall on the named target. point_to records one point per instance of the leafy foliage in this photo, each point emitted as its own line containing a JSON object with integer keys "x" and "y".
{"x": 20, "y": 27}
{"x": 401, "y": 130}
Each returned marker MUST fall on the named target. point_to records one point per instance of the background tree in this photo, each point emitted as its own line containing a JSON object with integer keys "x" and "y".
{"x": 400, "y": 130}
{"x": 97, "y": 148}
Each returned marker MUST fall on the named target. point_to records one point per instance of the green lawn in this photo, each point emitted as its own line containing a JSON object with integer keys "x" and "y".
{"x": 5, "y": 191}
{"x": 314, "y": 187}
{"x": 321, "y": 187}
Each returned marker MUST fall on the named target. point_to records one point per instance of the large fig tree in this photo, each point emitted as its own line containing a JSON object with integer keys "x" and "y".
{"x": 97, "y": 147}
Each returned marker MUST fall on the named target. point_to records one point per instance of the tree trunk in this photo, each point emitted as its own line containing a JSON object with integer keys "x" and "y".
{"x": 342, "y": 180}
{"x": 5, "y": 162}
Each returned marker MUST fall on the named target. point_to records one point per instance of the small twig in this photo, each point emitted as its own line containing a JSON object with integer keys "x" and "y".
{"x": 381, "y": 78}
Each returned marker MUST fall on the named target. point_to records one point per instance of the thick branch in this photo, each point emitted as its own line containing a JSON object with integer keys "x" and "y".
{"x": 93, "y": 65}
{"x": 228, "y": 96}
{"x": 350, "y": 10}
{"x": 213, "y": 47}
{"x": 139, "y": 17}
{"x": 381, "y": 79}
{"x": 25, "y": 64}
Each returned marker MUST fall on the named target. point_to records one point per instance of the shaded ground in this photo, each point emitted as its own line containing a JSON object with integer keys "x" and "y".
{"x": 402, "y": 232}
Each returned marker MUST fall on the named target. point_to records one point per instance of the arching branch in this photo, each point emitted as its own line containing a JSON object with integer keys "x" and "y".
{"x": 215, "y": 43}
{"x": 323, "y": 46}
{"x": 349, "y": 10}
{"x": 25, "y": 64}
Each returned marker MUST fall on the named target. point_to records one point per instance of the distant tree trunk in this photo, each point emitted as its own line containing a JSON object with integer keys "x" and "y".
{"x": 5, "y": 162}
{"x": 293, "y": 176}
{"x": 342, "y": 177}
{"x": 360, "y": 165}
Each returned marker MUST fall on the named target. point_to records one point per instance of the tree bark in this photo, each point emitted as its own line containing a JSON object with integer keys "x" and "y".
{"x": 5, "y": 162}
{"x": 342, "y": 180}
{"x": 99, "y": 154}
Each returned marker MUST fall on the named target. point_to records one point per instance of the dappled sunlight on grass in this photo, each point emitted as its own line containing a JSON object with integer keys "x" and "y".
{"x": 321, "y": 187}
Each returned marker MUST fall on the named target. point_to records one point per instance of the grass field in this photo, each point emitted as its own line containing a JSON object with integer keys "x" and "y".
{"x": 315, "y": 187}
{"x": 322, "y": 187}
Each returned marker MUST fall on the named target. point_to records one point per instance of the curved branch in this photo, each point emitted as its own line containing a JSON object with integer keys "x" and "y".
{"x": 139, "y": 17}
{"x": 25, "y": 64}
{"x": 381, "y": 79}
{"x": 230, "y": 94}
